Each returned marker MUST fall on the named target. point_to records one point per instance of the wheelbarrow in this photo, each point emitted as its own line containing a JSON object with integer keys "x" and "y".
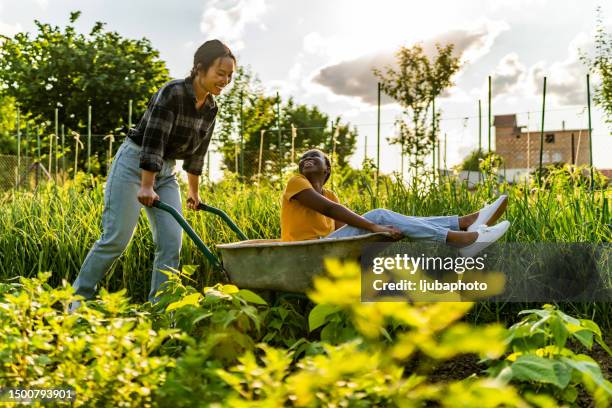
{"x": 271, "y": 264}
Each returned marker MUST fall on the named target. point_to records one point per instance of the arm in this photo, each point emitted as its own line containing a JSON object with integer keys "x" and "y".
{"x": 193, "y": 195}
{"x": 146, "y": 195}
{"x": 315, "y": 201}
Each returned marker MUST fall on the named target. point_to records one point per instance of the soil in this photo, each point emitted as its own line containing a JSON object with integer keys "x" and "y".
{"x": 465, "y": 365}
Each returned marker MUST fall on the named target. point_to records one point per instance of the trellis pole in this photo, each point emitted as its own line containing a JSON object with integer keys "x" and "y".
{"x": 63, "y": 155}
{"x": 89, "y": 138}
{"x": 293, "y": 136}
{"x": 77, "y": 143}
{"x": 590, "y": 132}
{"x": 542, "y": 133}
{"x": 109, "y": 156}
{"x": 18, "y": 168}
{"x": 261, "y": 140}
{"x": 56, "y": 140}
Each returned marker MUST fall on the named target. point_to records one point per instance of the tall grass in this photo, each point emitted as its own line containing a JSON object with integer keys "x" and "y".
{"x": 54, "y": 228}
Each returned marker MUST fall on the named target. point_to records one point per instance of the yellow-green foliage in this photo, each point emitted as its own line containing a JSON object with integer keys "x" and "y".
{"x": 106, "y": 353}
{"x": 212, "y": 347}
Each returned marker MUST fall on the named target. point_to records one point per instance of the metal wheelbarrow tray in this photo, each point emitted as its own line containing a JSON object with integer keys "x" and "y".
{"x": 273, "y": 264}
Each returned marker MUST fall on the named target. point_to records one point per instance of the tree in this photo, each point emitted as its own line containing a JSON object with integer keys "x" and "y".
{"x": 312, "y": 126}
{"x": 601, "y": 64}
{"x": 60, "y": 68}
{"x": 414, "y": 83}
{"x": 479, "y": 160}
{"x": 8, "y": 115}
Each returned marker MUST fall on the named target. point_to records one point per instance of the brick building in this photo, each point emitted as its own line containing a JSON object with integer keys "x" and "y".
{"x": 520, "y": 148}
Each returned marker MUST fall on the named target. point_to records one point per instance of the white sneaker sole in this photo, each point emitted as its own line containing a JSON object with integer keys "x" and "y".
{"x": 493, "y": 210}
{"x": 495, "y": 233}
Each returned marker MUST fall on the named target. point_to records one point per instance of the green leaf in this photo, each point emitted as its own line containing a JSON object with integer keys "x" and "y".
{"x": 590, "y": 325}
{"x": 603, "y": 344}
{"x": 535, "y": 368}
{"x": 585, "y": 337}
{"x": 229, "y": 289}
{"x": 318, "y": 315}
{"x": 559, "y": 332}
{"x": 568, "y": 319}
{"x": 589, "y": 368}
{"x": 569, "y": 394}
{"x": 539, "y": 312}
{"x": 251, "y": 297}
{"x": 189, "y": 269}
{"x": 192, "y": 299}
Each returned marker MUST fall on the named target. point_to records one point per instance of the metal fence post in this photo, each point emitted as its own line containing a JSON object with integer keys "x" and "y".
{"x": 489, "y": 113}
{"x": 56, "y": 140}
{"x": 542, "y": 133}
{"x": 241, "y": 139}
{"x": 261, "y": 140}
{"x": 378, "y": 141}
{"x": 63, "y": 155}
{"x": 280, "y": 146}
{"x": 590, "y": 131}
{"x": 89, "y": 138}
{"x": 18, "y": 169}
{"x": 433, "y": 127}
{"x": 479, "y": 139}
{"x": 129, "y": 114}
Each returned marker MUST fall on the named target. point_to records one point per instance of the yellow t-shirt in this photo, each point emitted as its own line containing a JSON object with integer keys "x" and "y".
{"x": 299, "y": 223}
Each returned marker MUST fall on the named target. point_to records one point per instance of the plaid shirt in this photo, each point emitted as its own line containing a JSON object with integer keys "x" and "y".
{"x": 172, "y": 128}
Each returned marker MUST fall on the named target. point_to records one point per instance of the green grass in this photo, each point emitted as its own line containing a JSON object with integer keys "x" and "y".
{"x": 53, "y": 229}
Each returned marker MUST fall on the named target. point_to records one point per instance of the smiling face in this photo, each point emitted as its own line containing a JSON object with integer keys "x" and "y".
{"x": 314, "y": 164}
{"x": 218, "y": 76}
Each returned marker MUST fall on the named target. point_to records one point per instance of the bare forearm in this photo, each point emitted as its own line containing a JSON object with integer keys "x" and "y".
{"x": 193, "y": 182}
{"x": 147, "y": 178}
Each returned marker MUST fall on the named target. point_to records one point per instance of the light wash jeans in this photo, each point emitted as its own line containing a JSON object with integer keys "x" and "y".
{"x": 120, "y": 217}
{"x": 415, "y": 228}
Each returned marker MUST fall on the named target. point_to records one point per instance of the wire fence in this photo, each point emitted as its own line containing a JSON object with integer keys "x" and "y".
{"x": 56, "y": 153}
{"x": 18, "y": 172}
{"x": 61, "y": 162}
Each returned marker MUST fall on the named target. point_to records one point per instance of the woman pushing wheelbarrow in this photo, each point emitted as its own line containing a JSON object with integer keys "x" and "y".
{"x": 177, "y": 125}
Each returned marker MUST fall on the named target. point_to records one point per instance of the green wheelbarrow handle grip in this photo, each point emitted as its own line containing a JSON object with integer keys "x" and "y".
{"x": 192, "y": 234}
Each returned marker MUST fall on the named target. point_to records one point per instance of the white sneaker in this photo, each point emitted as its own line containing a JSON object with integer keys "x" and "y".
{"x": 486, "y": 236}
{"x": 488, "y": 212}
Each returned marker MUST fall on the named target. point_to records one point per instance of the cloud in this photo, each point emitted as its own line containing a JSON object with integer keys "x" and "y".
{"x": 470, "y": 44}
{"x": 10, "y": 30}
{"x": 508, "y": 74}
{"x": 43, "y": 4}
{"x": 314, "y": 43}
{"x": 355, "y": 78}
{"x": 227, "y": 19}
{"x": 565, "y": 80}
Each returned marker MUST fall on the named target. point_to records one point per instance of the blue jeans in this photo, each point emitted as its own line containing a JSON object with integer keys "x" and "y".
{"x": 415, "y": 228}
{"x": 120, "y": 217}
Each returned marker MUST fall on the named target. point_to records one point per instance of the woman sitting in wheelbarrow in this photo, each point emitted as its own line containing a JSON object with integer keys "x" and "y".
{"x": 310, "y": 211}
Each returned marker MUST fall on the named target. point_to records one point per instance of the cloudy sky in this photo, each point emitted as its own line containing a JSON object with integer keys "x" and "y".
{"x": 323, "y": 52}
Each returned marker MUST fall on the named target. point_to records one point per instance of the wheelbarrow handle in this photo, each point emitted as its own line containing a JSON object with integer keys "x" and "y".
{"x": 225, "y": 218}
{"x": 192, "y": 234}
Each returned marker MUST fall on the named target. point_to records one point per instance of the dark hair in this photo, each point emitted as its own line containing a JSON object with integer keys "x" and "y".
{"x": 207, "y": 53}
{"x": 327, "y": 162}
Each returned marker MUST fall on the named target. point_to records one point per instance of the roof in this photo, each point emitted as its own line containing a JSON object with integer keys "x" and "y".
{"x": 606, "y": 172}
{"x": 505, "y": 120}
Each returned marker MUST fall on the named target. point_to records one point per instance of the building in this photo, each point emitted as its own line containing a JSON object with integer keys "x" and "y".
{"x": 520, "y": 148}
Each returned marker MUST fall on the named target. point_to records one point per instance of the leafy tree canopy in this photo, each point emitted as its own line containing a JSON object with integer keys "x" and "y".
{"x": 60, "y": 68}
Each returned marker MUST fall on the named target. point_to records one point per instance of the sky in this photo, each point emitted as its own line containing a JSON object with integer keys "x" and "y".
{"x": 323, "y": 52}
